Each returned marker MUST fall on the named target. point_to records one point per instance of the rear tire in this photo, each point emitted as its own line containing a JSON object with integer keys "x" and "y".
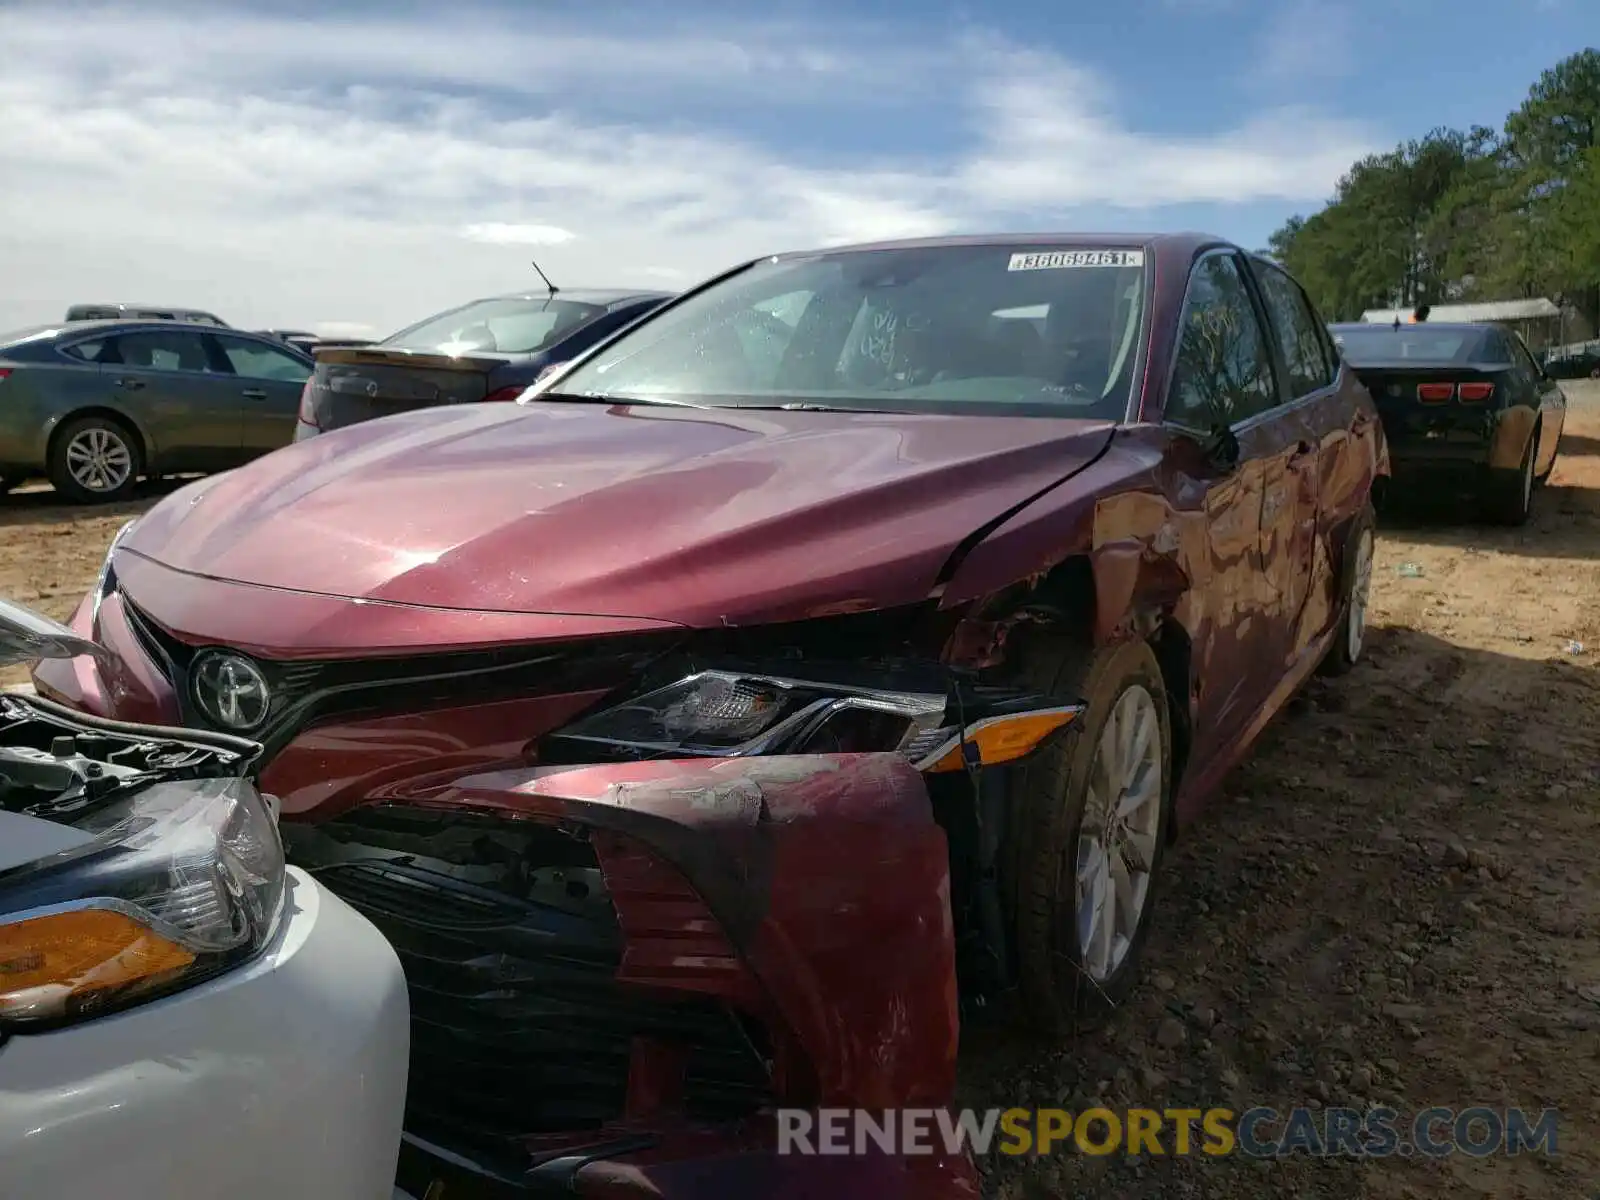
{"x": 1510, "y": 499}
{"x": 1077, "y": 963}
{"x": 1355, "y": 595}
{"x": 94, "y": 460}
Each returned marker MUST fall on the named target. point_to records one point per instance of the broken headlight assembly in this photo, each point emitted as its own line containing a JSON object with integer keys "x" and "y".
{"x": 726, "y": 714}
{"x": 142, "y": 896}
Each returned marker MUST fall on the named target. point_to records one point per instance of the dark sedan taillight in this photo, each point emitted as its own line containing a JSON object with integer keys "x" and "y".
{"x": 308, "y": 410}
{"x": 1435, "y": 393}
{"x": 1475, "y": 393}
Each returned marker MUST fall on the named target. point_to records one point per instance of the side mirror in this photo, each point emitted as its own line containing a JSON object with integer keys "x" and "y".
{"x": 1222, "y": 447}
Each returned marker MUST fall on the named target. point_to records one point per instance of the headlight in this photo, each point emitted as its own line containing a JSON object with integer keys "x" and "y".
{"x": 180, "y": 882}
{"x": 104, "y": 582}
{"x": 733, "y": 714}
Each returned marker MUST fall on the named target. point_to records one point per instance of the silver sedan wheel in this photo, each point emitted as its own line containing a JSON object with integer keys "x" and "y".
{"x": 99, "y": 459}
{"x": 1360, "y": 593}
{"x": 1117, "y": 837}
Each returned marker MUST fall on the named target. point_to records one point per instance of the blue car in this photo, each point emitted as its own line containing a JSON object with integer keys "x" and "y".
{"x": 487, "y": 350}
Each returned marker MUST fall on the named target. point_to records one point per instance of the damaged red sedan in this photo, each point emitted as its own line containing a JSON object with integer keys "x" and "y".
{"x": 832, "y": 652}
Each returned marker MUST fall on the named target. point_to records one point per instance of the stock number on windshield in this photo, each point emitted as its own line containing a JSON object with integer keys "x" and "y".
{"x": 1059, "y": 260}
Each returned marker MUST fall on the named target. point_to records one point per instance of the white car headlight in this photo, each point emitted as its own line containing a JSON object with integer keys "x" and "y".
{"x": 173, "y": 885}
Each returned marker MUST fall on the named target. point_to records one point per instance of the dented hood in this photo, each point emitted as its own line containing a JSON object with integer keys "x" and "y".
{"x": 689, "y": 515}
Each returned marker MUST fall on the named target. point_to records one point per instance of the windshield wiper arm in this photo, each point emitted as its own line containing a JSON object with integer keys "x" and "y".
{"x": 608, "y": 398}
{"x": 808, "y": 406}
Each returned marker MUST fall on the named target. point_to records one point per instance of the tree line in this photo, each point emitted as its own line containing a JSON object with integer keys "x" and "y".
{"x": 1463, "y": 215}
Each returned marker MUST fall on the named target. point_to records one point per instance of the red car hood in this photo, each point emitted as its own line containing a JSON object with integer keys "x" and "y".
{"x": 689, "y": 515}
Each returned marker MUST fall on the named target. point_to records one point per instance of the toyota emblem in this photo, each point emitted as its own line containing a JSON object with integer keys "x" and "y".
{"x": 231, "y": 690}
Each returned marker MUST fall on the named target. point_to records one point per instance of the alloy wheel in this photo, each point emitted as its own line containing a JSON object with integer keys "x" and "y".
{"x": 1118, "y": 834}
{"x": 98, "y": 459}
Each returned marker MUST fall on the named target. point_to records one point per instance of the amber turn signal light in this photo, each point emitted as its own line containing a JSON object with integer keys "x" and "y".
{"x": 60, "y": 964}
{"x": 1006, "y": 738}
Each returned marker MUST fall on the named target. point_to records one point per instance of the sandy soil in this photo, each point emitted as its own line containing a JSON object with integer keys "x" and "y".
{"x": 1396, "y": 903}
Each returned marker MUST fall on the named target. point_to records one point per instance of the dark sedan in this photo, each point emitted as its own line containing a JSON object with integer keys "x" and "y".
{"x": 489, "y": 349}
{"x": 93, "y": 405}
{"x": 1463, "y": 405}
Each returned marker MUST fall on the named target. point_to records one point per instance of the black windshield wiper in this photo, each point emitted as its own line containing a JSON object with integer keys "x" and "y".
{"x": 607, "y": 398}
{"x": 806, "y": 406}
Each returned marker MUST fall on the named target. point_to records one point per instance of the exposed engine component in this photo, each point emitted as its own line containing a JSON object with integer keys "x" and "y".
{"x": 55, "y": 764}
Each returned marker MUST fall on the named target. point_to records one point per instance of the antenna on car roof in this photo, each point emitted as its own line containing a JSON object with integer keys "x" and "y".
{"x": 552, "y": 287}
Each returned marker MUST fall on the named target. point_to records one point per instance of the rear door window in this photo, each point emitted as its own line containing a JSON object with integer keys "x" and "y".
{"x": 162, "y": 350}
{"x": 89, "y": 351}
{"x": 1298, "y": 331}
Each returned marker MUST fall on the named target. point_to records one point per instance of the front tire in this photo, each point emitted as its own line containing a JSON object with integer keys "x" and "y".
{"x": 1089, "y": 830}
{"x": 1350, "y": 639}
{"x": 94, "y": 460}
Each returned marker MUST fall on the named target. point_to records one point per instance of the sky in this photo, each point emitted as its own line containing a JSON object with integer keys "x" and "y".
{"x": 352, "y": 166}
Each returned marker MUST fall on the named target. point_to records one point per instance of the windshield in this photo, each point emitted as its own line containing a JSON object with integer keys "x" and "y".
{"x": 1365, "y": 344}
{"x": 1012, "y": 330}
{"x": 513, "y": 326}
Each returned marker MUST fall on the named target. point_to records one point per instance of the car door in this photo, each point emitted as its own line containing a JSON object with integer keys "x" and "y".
{"x": 1551, "y": 402}
{"x": 268, "y": 381}
{"x": 189, "y": 409}
{"x": 1309, "y": 433}
{"x": 1218, "y": 409}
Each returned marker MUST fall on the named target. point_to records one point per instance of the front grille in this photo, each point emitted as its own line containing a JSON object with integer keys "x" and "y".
{"x": 519, "y": 1027}
{"x": 306, "y": 691}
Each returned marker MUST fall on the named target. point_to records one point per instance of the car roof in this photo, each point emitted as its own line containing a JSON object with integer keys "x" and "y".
{"x": 132, "y": 325}
{"x": 128, "y": 323}
{"x": 1175, "y": 243}
{"x": 606, "y": 297}
{"x": 140, "y": 304}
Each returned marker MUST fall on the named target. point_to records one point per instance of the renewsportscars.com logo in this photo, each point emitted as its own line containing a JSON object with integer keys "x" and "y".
{"x": 1255, "y": 1133}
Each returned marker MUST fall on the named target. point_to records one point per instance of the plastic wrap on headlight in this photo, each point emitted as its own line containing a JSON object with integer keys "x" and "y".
{"x": 181, "y": 881}
{"x": 727, "y": 713}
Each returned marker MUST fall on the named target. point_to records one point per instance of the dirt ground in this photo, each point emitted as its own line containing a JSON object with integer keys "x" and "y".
{"x": 1397, "y": 902}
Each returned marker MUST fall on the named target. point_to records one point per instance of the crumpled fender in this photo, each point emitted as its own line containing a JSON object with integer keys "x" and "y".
{"x": 828, "y": 875}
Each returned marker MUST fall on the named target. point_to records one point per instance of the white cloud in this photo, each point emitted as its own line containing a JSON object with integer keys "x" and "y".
{"x": 271, "y": 169}
{"x": 1304, "y": 41}
{"x": 498, "y": 233}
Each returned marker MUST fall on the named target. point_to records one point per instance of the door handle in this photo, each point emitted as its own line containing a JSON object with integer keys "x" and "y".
{"x": 254, "y": 394}
{"x": 133, "y": 385}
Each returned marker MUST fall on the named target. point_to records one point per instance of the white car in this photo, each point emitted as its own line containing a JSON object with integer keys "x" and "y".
{"x": 181, "y": 1015}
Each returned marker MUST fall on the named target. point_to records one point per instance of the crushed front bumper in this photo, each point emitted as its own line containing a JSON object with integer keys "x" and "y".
{"x": 762, "y": 933}
{"x": 283, "y": 1078}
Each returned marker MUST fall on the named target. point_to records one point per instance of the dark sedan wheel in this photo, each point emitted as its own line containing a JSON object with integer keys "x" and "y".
{"x": 94, "y": 460}
{"x": 1511, "y": 492}
{"x": 1091, "y": 819}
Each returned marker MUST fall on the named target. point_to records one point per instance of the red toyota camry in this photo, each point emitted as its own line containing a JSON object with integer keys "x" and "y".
{"x": 844, "y": 641}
